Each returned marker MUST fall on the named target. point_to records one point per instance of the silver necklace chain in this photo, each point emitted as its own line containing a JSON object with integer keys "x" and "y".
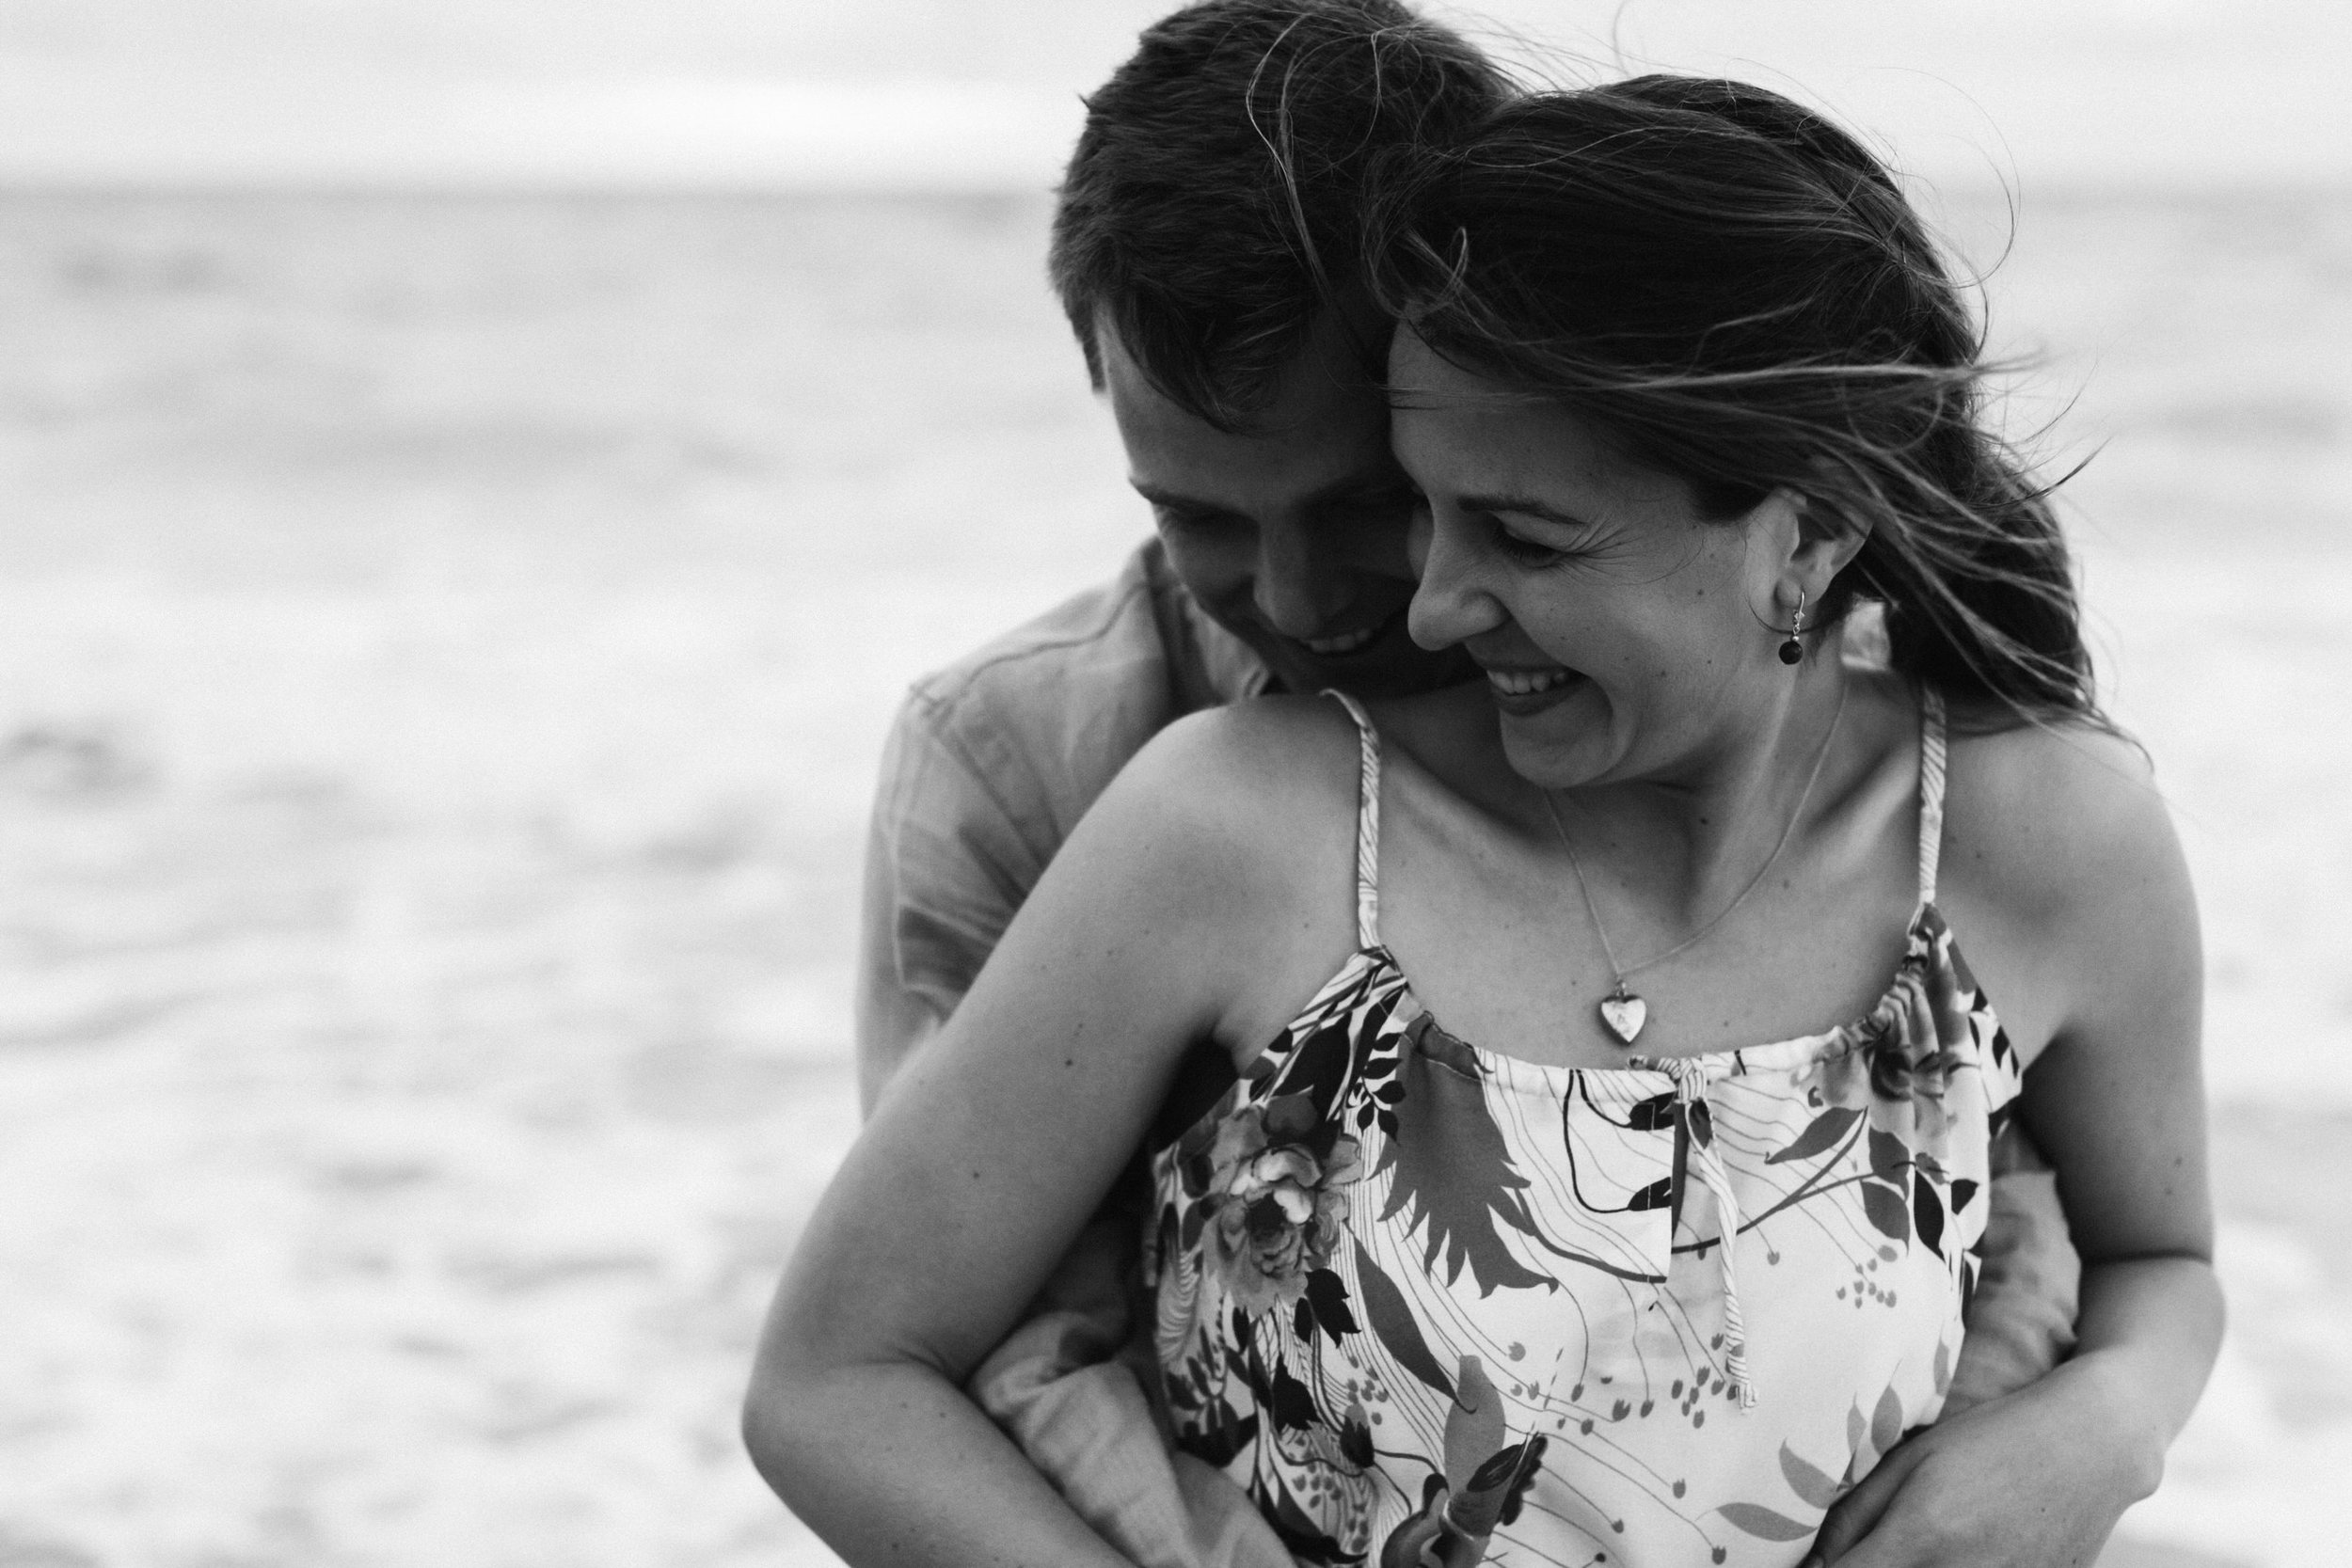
{"x": 1619, "y": 972}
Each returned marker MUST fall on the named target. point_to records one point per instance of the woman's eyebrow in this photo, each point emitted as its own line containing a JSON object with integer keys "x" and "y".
{"x": 1525, "y": 505}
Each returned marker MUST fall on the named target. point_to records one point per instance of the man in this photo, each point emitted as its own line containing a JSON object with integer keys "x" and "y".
{"x": 1211, "y": 291}
{"x": 1206, "y": 251}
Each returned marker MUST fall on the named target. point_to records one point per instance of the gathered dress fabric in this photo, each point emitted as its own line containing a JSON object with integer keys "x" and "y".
{"x": 1427, "y": 1305}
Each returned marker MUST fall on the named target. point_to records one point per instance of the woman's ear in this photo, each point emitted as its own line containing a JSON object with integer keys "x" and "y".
{"x": 1813, "y": 540}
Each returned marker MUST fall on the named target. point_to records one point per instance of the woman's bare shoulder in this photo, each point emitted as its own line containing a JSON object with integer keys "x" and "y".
{"x": 1251, "y": 764}
{"x": 1223, "y": 813}
{"x": 1232, "y": 836}
{"x": 2060, "y": 860}
{"x": 2061, "y": 810}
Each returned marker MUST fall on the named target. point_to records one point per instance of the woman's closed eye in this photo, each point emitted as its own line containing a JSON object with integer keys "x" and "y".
{"x": 1523, "y": 551}
{"x": 1539, "y": 546}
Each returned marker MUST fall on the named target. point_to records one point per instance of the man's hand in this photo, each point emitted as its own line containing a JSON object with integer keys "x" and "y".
{"x": 2035, "y": 1479}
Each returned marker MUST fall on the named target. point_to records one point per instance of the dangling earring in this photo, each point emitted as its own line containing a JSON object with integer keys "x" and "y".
{"x": 1793, "y": 649}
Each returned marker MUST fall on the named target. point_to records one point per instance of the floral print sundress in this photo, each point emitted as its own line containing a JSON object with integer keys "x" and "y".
{"x": 1431, "y": 1305}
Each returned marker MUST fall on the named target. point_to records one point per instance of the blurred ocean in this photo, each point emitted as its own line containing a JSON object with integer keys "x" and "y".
{"x": 444, "y": 647}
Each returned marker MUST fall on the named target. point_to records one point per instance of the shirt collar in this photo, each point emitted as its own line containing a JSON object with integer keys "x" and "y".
{"x": 1208, "y": 666}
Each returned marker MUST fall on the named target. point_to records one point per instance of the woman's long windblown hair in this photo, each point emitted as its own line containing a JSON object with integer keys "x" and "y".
{"x": 1734, "y": 290}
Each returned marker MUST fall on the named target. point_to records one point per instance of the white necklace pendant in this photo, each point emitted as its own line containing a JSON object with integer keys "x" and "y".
{"x": 1625, "y": 1013}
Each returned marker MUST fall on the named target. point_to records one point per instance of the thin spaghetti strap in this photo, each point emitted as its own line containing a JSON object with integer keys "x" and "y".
{"x": 1367, "y": 824}
{"x": 1931, "y": 788}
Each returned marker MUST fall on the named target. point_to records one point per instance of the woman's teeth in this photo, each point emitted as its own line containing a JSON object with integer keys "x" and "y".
{"x": 1346, "y": 642}
{"x": 1523, "y": 683}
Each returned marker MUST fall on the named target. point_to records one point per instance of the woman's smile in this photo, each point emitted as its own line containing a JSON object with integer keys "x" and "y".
{"x": 1524, "y": 689}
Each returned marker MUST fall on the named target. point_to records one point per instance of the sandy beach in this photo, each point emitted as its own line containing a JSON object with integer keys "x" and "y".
{"x": 445, "y": 645}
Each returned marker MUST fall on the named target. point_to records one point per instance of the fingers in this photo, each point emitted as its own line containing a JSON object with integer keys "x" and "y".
{"x": 1858, "y": 1513}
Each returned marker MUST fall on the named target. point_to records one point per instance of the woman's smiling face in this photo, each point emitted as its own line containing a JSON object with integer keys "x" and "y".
{"x": 1618, "y": 627}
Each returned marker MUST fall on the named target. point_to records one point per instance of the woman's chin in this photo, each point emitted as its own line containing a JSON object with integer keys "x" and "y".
{"x": 1565, "y": 744}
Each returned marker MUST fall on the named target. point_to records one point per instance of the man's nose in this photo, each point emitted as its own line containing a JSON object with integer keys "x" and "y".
{"x": 1448, "y": 606}
{"x": 1300, "y": 586}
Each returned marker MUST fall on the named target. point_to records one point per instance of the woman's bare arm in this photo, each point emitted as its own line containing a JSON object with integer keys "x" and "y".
{"x": 2058, "y": 854}
{"x": 1159, "y": 924}
{"x": 2118, "y": 1102}
{"x": 2062, "y": 855}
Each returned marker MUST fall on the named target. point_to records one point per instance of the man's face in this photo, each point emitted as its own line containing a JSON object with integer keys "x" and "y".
{"x": 1294, "y": 536}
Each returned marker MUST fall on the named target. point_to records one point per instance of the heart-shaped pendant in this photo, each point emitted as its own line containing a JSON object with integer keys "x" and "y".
{"x": 1625, "y": 1013}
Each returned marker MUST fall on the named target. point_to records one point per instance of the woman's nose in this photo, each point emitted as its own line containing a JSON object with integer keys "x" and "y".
{"x": 1448, "y": 606}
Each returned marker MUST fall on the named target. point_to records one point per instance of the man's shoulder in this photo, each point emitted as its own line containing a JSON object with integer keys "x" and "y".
{"x": 1048, "y": 712}
{"x": 1103, "y": 632}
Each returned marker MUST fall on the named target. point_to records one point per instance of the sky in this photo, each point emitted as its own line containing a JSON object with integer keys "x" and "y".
{"x": 949, "y": 94}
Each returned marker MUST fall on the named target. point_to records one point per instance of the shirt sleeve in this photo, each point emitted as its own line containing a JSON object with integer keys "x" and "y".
{"x": 947, "y": 864}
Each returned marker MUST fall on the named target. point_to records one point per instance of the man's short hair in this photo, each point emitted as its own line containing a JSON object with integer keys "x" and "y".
{"x": 1213, "y": 207}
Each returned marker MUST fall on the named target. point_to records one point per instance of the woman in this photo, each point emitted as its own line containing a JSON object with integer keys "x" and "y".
{"x": 1657, "y": 1243}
